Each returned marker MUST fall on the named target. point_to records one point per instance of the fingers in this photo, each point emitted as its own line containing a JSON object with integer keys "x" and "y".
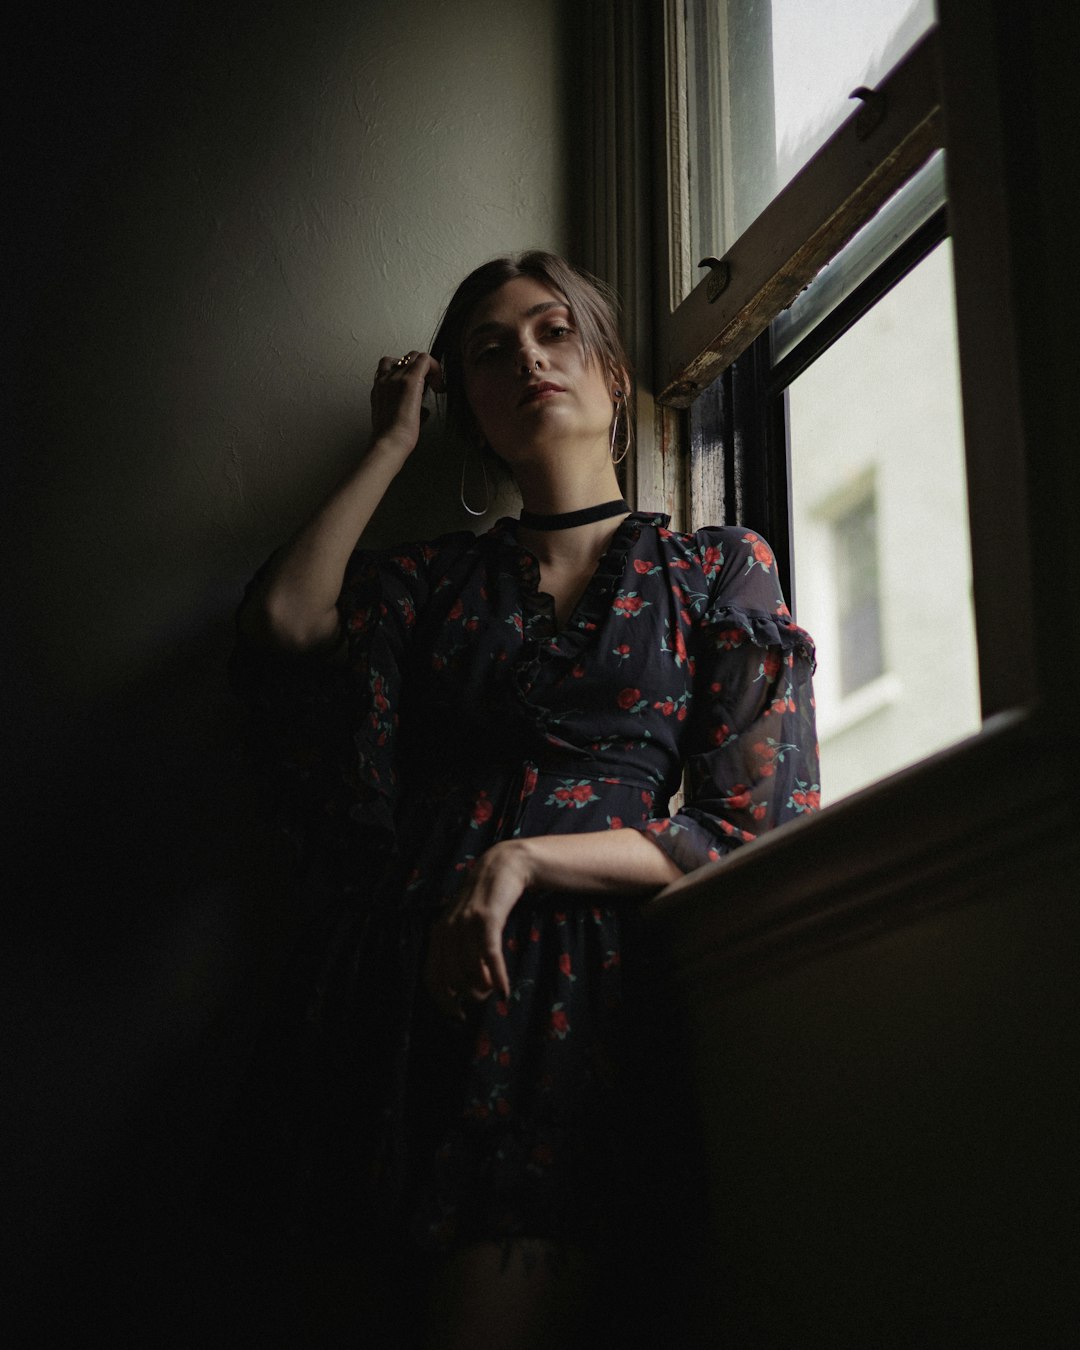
{"x": 465, "y": 961}
{"x": 412, "y": 366}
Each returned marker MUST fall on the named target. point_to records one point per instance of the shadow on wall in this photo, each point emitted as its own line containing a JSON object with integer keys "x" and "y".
{"x": 200, "y": 192}
{"x": 153, "y": 916}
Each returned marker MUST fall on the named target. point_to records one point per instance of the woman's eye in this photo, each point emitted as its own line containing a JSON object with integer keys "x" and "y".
{"x": 559, "y": 330}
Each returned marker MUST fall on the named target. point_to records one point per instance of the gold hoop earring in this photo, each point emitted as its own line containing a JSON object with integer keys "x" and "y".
{"x": 620, "y": 407}
{"x": 487, "y": 485}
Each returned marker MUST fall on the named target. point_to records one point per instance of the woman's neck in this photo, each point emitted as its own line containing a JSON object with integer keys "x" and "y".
{"x": 548, "y": 493}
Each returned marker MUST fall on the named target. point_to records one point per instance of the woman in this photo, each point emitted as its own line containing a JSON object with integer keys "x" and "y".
{"x": 500, "y": 721}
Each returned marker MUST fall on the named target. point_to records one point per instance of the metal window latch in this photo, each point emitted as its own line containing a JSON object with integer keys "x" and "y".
{"x": 718, "y": 277}
{"x": 872, "y": 113}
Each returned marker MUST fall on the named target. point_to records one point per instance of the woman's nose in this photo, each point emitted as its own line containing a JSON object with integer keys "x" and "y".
{"x": 528, "y": 360}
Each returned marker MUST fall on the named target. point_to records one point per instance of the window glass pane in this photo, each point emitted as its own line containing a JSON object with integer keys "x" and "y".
{"x": 899, "y": 218}
{"x": 768, "y": 82}
{"x": 882, "y": 557}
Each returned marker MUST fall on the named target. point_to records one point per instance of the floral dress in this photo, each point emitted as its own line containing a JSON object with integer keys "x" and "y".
{"x": 457, "y": 713}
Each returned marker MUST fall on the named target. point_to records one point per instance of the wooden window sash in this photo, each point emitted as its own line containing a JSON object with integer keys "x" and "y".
{"x": 879, "y": 148}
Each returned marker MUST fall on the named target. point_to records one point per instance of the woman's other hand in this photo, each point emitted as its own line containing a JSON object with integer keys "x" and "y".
{"x": 465, "y": 958}
{"x": 397, "y": 399}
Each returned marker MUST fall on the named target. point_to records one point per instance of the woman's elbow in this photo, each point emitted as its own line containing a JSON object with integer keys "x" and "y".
{"x": 273, "y": 619}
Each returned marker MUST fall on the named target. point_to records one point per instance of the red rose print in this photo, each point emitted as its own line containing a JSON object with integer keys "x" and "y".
{"x": 681, "y": 714}
{"x": 738, "y": 798}
{"x": 622, "y": 649}
{"x": 560, "y": 1023}
{"x": 457, "y": 609}
{"x": 720, "y": 733}
{"x": 615, "y": 822}
{"x": 680, "y": 644}
{"x": 483, "y": 1045}
{"x": 628, "y": 697}
{"x": 629, "y": 604}
{"x": 582, "y": 793}
{"x": 406, "y": 563}
{"x": 482, "y": 811}
{"x": 564, "y": 963}
{"x": 528, "y": 786}
{"x": 680, "y": 563}
{"x": 577, "y": 672}
{"x": 712, "y": 560}
{"x": 771, "y": 665}
{"x": 641, "y": 566}
{"x": 561, "y": 794}
{"x": 534, "y": 934}
{"x": 763, "y": 553}
{"x": 759, "y": 811}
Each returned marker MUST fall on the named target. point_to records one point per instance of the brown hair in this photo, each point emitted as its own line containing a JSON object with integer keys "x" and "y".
{"x": 593, "y": 305}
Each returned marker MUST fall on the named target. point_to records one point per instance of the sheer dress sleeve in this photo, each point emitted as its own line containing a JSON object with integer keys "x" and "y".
{"x": 752, "y": 756}
{"x": 322, "y": 726}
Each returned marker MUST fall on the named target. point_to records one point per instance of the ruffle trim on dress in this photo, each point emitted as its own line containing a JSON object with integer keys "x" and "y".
{"x": 763, "y": 630}
{"x": 589, "y": 612}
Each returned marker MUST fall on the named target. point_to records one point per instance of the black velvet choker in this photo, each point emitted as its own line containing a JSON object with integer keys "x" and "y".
{"x": 565, "y": 520}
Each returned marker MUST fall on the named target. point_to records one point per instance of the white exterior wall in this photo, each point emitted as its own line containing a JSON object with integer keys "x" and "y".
{"x": 883, "y": 403}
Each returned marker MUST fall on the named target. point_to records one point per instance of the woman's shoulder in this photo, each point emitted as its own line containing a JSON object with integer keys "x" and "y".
{"x": 720, "y": 550}
{"x": 414, "y": 556}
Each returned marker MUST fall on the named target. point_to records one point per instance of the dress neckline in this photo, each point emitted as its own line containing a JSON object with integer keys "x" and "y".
{"x": 593, "y": 600}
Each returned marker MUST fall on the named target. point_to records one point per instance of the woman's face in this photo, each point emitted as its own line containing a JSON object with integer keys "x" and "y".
{"x": 526, "y": 377}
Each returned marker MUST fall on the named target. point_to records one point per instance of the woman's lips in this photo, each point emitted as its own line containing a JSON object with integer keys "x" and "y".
{"x": 536, "y": 391}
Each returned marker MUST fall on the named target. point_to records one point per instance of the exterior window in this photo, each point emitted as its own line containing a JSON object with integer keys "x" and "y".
{"x": 859, "y": 655}
{"x": 818, "y": 361}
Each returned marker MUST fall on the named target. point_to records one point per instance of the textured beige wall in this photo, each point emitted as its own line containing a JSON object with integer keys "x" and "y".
{"x": 298, "y": 192}
{"x": 227, "y": 213}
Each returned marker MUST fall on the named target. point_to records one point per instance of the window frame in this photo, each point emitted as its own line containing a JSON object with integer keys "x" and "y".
{"x": 835, "y": 193}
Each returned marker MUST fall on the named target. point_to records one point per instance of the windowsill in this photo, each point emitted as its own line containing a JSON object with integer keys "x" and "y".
{"x": 937, "y": 834}
{"x": 867, "y": 700}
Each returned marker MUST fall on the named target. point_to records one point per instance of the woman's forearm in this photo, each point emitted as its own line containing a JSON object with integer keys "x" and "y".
{"x": 598, "y": 862}
{"x": 295, "y": 604}
{"x": 465, "y": 955}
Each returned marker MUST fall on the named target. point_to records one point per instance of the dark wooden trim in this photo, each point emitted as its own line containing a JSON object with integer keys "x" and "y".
{"x": 943, "y": 833}
{"x": 807, "y": 223}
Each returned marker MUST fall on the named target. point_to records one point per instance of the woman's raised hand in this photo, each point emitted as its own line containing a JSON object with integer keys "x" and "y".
{"x": 397, "y": 398}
